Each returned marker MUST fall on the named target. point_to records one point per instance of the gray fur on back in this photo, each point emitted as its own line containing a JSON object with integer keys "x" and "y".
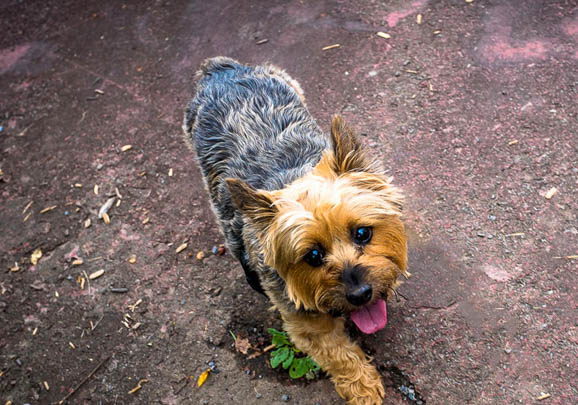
{"x": 249, "y": 123}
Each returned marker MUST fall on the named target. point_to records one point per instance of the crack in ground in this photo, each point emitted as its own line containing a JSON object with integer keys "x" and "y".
{"x": 400, "y": 382}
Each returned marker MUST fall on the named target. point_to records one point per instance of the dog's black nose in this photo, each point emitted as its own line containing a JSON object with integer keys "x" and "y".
{"x": 359, "y": 295}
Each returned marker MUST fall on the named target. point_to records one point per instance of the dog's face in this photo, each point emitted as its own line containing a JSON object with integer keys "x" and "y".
{"x": 335, "y": 236}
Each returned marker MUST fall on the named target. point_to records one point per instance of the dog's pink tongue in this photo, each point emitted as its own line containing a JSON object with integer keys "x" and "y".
{"x": 371, "y": 318}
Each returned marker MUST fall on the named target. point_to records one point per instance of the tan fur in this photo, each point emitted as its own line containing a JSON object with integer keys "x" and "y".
{"x": 345, "y": 190}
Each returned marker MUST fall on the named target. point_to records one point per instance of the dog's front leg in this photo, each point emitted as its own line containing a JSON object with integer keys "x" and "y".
{"x": 323, "y": 338}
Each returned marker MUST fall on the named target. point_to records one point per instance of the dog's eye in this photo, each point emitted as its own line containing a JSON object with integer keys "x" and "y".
{"x": 362, "y": 235}
{"x": 314, "y": 257}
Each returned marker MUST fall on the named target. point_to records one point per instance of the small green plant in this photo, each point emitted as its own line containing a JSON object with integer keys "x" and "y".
{"x": 289, "y": 357}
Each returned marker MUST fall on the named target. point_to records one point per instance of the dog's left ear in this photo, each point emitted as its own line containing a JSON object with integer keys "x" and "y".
{"x": 349, "y": 155}
{"x": 256, "y": 205}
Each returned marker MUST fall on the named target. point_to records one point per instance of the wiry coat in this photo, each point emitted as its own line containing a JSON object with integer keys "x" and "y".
{"x": 250, "y": 123}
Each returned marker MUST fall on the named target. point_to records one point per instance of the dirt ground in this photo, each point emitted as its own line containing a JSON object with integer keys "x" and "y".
{"x": 472, "y": 107}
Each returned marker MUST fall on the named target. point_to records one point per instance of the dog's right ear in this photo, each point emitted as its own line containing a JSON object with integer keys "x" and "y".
{"x": 257, "y": 205}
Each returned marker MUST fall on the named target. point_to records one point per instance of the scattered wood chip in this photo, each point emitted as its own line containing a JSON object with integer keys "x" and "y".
{"x": 106, "y": 218}
{"x": 96, "y": 274}
{"x": 326, "y": 48}
{"x": 254, "y": 355}
{"x": 418, "y": 19}
{"x": 46, "y": 386}
{"x": 27, "y": 207}
{"x": 384, "y": 35}
{"x": 35, "y": 331}
{"x": 15, "y": 268}
{"x": 132, "y": 259}
{"x": 138, "y": 386}
{"x": 145, "y": 221}
{"x": 200, "y": 255}
{"x": 134, "y": 306}
{"x": 36, "y": 255}
{"x": 47, "y": 209}
{"x": 436, "y": 32}
{"x": 126, "y": 148}
{"x": 469, "y": 1}
{"x": 56, "y": 294}
{"x": 136, "y": 326}
{"x": 513, "y": 142}
{"x": 413, "y": 72}
{"x": 262, "y": 41}
{"x": 98, "y": 91}
{"x": 77, "y": 262}
{"x": 171, "y": 172}
{"x": 516, "y": 234}
{"x": 78, "y": 185}
{"x": 71, "y": 345}
{"x": 27, "y": 217}
{"x": 543, "y": 396}
{"x": 80, "y": 280}
{"x": 550, "y": 193}
{"x": 87, "y": 223}
{"x": 181, "y": 248}
{"x": 106, "y": 206}
{"x": 95, "y": 189}
{"x": 203, "y": 377}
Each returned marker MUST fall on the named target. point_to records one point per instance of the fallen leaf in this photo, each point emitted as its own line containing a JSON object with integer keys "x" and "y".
{"x": 203, "y": 377}
{"x": 36, "y": 255}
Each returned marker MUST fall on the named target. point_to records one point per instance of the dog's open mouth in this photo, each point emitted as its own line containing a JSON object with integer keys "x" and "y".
{"x": 371, "y": 317}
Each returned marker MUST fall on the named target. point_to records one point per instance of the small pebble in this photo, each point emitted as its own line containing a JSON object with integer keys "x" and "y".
{"x": 66, "y": 213}
{"x": 258, "y": 395}
{"x": 285, "y": 398}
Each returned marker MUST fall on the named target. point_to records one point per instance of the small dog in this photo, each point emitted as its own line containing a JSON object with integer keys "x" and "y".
{"x": 313, "y": 220}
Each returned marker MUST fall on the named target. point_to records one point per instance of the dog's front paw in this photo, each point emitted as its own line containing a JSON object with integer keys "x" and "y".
{"x": 362, "y": 387}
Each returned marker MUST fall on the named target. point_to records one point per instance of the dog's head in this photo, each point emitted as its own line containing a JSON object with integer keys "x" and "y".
{"x": 335, "y": 235}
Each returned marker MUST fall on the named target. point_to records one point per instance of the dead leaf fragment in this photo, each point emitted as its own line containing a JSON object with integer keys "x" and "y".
{"x": 87, "y": 223}
{"x": 551, "y": 193}
{"x": 36, "y": 255}
{"x": 242, "y": 345}
{"x": 15, "y": 268}
{"x": 106, "y": 218}
{"x": 203, "y": 377}
{"x": 96, "y": 274}
{"x": 181, "y": 248}
{"x": 200, "y": 255}
{"x": 384, "y": 35}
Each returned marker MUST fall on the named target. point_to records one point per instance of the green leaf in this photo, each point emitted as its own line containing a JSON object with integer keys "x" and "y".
{"x": 298, "y": 368}
{"x": 288, "y": 360}
{"x": 278, "y": 356}
{"x": 280, "y": 340}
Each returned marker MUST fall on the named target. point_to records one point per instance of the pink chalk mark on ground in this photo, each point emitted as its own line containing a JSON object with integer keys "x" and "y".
{"x": 393, "y": 18}
{"x": 10, "y": 56}
{"x": 504, "y": 51}
{"x": 496, "y": 273}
